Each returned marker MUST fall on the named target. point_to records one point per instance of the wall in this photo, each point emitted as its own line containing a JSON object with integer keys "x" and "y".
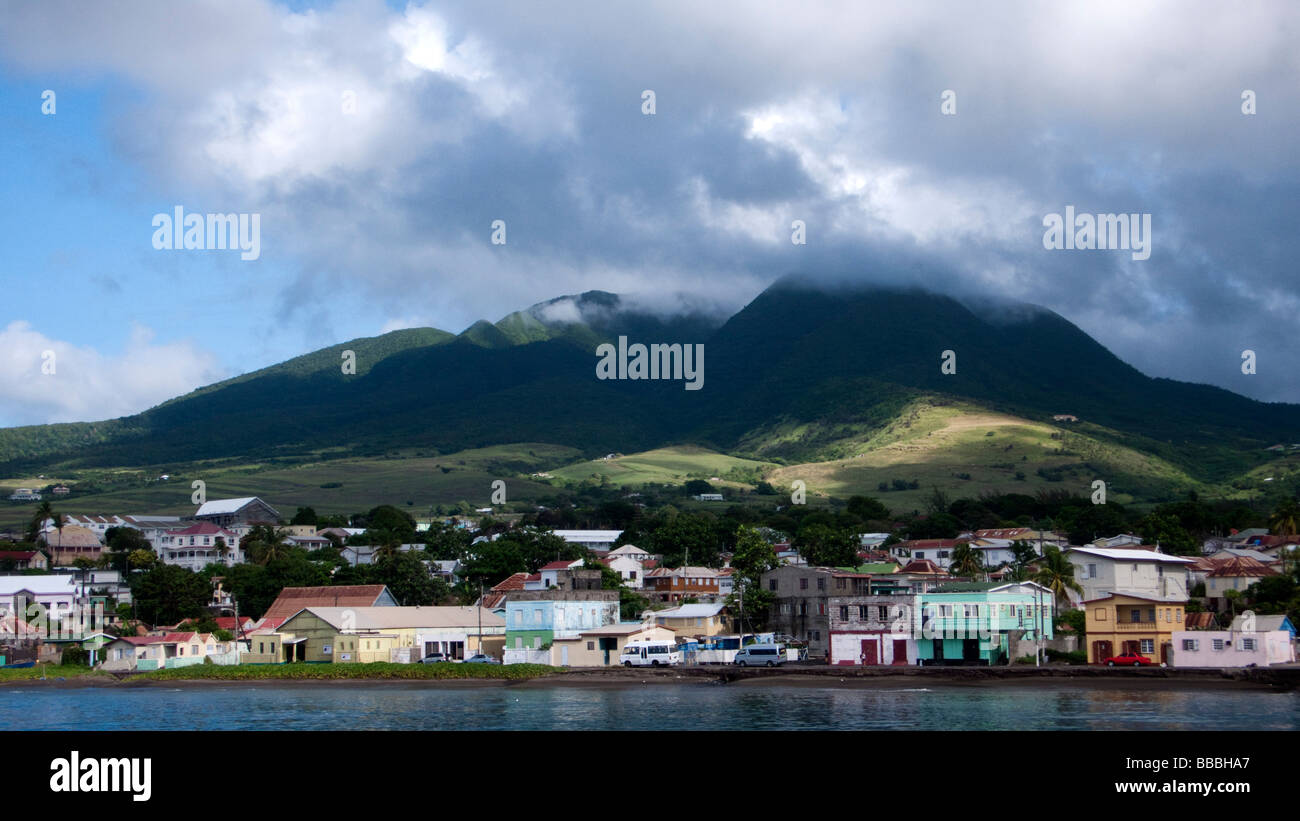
{"x": 1273, "y": 647}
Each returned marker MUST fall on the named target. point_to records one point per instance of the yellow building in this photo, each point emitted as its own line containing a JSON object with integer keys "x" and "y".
{"x": 1119, "y": 623}
{"x": 695, "y": 620}
{"x": 601, "y": 646}
{"x": 369, "y": 634}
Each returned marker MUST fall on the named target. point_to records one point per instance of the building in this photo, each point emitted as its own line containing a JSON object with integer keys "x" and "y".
{"x": 72, "y": 542}
{"x": 872, "y": 629}
{"x": 199, "y": 545}
{"x": 938, "y": 551}
{"x": 1250, "y": 622}
{"x": 24, "y": 494}
{"x": 170, "y": 650}
{"x": 695, "y": 620}
{"x": 228, "y": 512}
{"x": 1141, "y": 572}
{"x": 1237, "y": 573}
{"x": 602, "y": 646}
{"x": 1231, "y": 648}
{"x": 801, "y": 596}
{"x": 677, "y": 583}
{"x": 976, "y": 622}
{"x": 387, "y": 634}
{"x": 590, "y": 539}
{"x": 23, "y": 560}
{"x": 1119, "y": 623}
{"x": 294, "y": 599}
{"x": 536, "y": 619}
{"x": 54, "y": 592}
{"x": 631, "y": 563}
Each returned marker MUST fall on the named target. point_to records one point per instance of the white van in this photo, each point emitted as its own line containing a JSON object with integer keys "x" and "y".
{"x": 760, "y": 655}
{"x": 650, "y": 654}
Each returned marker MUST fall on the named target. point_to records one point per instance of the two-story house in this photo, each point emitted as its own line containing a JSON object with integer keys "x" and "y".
{"x": 1139, "y": 571}
{"x": 974, "y": 622}
{"x": 1120, "y": 623}
{"x": 870, "y": 630}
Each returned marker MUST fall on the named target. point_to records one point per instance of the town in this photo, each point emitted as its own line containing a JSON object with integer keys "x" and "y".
{"x": 234, "y": 583}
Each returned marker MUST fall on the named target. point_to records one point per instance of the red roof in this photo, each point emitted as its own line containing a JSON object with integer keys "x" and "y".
{"x": 293, "y": 599}
{"x": 923, "y": 566}
{"x": 202, "y": 529}
{"x": 557, "y": 565}
{"x": 17, "y": 555}
{"x": 513, "y": 582}
{"x": 1241, "y": 566}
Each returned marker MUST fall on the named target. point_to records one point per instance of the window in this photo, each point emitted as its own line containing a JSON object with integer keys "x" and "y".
{"x": 920, "y": 554}
{"x": 821, "y": 584}
{"x": 803, "y": 608}
{"x": 803, "y": 584}
{"x": 771, "y": 584}
{"x": 839, "y": 584}
{"x": 821, "y": 608}
{"x": 1191, "y": 645}
{"x": 817, "y": 635}
{"x": 591, "y": 645}
{"x": 1151, "y": 614}
{"x": 1218, "y": 644}
{"x": 844, "y": 612}
{"x": 1247, "y": 644}
{"x": 1092, "y": 571}
{"x": 942, "y": 554}
{"x": 1147, "y": 645}
{"x": 537, "y": 615}
{"x": 1099, "y": 613}
{"x": 862, "y": 612}
{"x": 883, "y": 610}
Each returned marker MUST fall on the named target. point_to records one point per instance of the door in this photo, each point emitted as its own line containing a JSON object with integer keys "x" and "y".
{"x": 869, "y": 652}
{"x": 1164, "y": 652}
{"x": 970, "y": 650}
{"x": 900, "y": 651}
{"x": 1101, "y": 650}
{"x": 1131, "y": 647}
{"x": 564, "y": 656}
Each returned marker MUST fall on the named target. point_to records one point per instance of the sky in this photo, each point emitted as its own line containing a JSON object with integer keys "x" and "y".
{"x": 378, "y": 142}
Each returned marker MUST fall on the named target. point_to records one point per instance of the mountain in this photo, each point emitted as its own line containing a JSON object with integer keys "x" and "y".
{"x": 802, "y": 373}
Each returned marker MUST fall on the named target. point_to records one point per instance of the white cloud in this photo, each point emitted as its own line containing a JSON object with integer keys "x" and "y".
{"x": 88, "y": 385}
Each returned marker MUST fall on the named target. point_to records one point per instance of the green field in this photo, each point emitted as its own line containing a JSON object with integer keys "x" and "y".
{"x": 940, "y": 446}
{"x": 672, "y": 465}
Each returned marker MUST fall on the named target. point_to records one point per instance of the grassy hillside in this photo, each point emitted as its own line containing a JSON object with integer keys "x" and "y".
{"x": 671, "y": 465}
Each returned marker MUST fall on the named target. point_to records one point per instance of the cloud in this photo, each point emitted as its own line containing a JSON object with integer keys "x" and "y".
{"x": 78, "y": 383}
{"x": 766, "y": 113}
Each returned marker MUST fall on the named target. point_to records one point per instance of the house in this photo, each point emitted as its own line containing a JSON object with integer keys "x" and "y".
{"x": 179, "y": 649}
{"x": 977, "y": 622}
{"x": 1250, "y": 622}
{"x": 1121, "y": 540}
{"x": 387, "y": 634}
{"x": 497, "y": 596}
{"x": 677, "y": 583}
{"x": 23, "y": 560}
{"x": 294, "y": 599}
{"x": 590, "y": 539}
{"x": 1024, "y": 534}
{"x": 938, "y": 551}
{"x": 602, "y": 646}
{"x": 708, "y": 497}
{"x": 1119, "y": 623}
{"x": 801, "y": 596}
{"x": 246, "y": 511}
{"x": 537, "y": 618}
{"x": 72, "y": 542}
{"x": 694, "y": 620}
{"x": 549, "y": 573}
{"x": 1231, "y": 648}
{"x": 1139, "y": 571}
{"x": 361, "y": 553}
{"x": 51, "y": 592}
{"x": 24, "y": 494}
{"x": 872, "y": 629}
{"x": 1237, "y": 573}
{"x": 199, "y": 545}
{"x": 631, "y": 563}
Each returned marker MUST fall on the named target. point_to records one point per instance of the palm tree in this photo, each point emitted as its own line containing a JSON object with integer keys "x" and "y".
{"x": 1285, "y": 520}
{"x": 966, "y": 561}
{"x": 1056, "y": 573}
{"x": 266, "y": 543}
{"x": 386, "y": 545}
{"x": 44, "y": 512}
{"x": 223, "y": 549}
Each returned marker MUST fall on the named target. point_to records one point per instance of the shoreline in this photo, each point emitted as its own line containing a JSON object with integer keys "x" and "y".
{"x": 1283, "y": 679}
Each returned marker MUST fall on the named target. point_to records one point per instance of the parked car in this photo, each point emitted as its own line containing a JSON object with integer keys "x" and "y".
{"x": 760, "y": 655}
{"x": 434, "y": 658}
{"x": 1130, "y": 659}
{"x": 481, "y": 658}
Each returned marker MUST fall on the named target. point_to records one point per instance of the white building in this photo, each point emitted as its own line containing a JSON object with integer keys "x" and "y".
{"x": 590, "y": 539}
{"x": 1149, "y": 574}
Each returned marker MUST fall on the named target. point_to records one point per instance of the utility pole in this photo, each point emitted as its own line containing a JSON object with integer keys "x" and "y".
{"x": 479, "y": 605}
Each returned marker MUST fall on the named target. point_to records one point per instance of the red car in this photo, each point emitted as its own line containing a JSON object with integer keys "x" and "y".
{"x": 1128, "y": 658}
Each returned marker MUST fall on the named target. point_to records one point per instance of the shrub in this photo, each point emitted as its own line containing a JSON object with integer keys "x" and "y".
{"x": 76, "y": 656}
{"x": 1071, "y": 657}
